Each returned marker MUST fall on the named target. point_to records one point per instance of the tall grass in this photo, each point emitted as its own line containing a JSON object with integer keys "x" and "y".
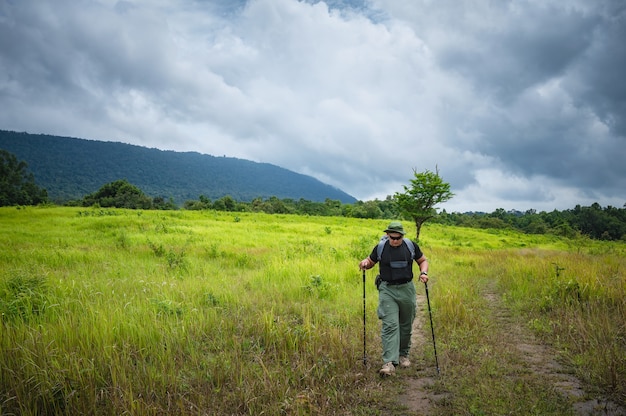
{"x": 146, "y": 312}
{"x": 203, "y": 312}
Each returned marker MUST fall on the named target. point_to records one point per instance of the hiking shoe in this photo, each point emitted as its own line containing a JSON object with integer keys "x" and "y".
{"x": 387, "y": 370}
{"x": 405, "y": 362}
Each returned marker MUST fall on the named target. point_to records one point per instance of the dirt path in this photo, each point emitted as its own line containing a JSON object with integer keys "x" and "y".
{"x": 420, "y": 399}
{"x": 541, "y": 360}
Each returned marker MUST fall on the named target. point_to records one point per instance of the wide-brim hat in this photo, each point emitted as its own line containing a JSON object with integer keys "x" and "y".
{"x": 395, "y": 227}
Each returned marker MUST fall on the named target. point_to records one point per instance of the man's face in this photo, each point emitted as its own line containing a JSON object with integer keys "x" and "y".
{"x": 395, "y": 239}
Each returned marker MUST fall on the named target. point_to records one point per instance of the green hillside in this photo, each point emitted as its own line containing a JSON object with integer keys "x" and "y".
{"x": 70, "y": 168}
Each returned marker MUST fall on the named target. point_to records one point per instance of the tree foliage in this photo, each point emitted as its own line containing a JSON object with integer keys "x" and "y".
{"x": 17, "y": 184}
{"x": 418, "y": 201}
{"x": 593, "y": 221}
{"x": 119, "y": 194}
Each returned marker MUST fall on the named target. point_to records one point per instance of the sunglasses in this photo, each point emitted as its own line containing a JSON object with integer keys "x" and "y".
{"x": 395, "y": 238}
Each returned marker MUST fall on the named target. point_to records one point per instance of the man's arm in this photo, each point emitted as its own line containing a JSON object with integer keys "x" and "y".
{"x": 422, "y": 262}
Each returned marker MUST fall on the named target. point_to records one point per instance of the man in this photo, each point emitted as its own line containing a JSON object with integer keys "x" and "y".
{"x": 396, "y": 293}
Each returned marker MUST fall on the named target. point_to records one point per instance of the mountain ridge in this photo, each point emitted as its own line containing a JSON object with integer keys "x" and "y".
{"x": 70, "y": 168}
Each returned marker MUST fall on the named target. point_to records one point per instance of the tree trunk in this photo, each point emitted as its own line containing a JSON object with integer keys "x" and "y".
{"x": 418, "y": 228}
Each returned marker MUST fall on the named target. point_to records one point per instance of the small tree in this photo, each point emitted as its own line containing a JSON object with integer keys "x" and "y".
{"x": 225, "y": 203}
{"x": 119, "y": 194}
{"x": 418, "y": 201}
{"x": 17, "y": 185}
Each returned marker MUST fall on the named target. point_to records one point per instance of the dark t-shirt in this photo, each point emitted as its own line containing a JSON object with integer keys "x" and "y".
{"x": 396, "y": 263}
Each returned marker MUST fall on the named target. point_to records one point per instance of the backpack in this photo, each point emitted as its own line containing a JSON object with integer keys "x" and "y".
{"x": 383, "y": 240}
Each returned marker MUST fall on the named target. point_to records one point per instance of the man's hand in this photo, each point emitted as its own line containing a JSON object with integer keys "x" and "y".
{"x": 364, "y": 264}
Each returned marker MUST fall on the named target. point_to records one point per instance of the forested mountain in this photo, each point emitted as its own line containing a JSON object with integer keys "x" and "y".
{"x": 70, "y": 168}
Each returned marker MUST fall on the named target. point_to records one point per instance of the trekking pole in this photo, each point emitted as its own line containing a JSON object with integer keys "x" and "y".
{"x": 364, "y": 356}
{"x": 432, "y": 329}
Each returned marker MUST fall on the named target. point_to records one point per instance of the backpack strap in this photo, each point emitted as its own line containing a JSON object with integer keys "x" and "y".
{"x": 411, "y": 245}
{"x": 381, "y": 245}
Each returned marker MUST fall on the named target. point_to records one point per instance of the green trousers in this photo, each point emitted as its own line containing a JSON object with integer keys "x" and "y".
{"x": 396, "y": 310}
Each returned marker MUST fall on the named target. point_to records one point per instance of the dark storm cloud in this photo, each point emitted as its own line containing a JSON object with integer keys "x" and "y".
{"x": 598, "y": 80}
{"x": 546, "y": 83}
{"x": 527, "y": 47}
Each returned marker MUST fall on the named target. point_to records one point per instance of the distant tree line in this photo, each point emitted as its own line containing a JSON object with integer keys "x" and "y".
{"x": 599, "y": 223}
{"x": 595, "y": 222}
{"x": 17, "y": 187}
{"x": 274, "y": 205}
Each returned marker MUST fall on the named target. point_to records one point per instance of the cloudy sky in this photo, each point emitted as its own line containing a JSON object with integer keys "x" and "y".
{"x": 520, "y": 104}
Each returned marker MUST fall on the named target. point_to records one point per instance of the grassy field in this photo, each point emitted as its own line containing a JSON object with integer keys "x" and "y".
{"x": 110, "y": 311}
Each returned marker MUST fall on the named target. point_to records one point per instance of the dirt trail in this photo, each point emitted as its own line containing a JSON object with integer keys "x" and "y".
{"x": 419, "y": 399}
{"x": 541, "y": 359}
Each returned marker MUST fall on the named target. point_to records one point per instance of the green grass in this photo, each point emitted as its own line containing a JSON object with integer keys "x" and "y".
{"x": 188, "y": 312}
